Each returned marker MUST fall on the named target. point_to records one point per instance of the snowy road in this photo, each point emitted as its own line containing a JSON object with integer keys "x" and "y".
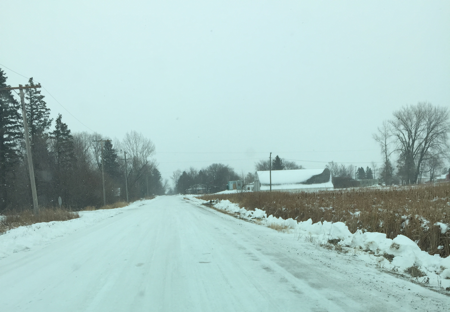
{"x": 171, "y": 255}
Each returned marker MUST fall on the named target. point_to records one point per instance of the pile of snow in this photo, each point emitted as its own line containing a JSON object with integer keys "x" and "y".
{"x": 40, "y": 234}
{"x": 398, "y": 255}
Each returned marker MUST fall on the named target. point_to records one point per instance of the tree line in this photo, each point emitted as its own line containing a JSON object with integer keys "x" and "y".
{"x": 414, "y": 143}
{"x": 68, "y": 165}
{"x": 215, "y": 177}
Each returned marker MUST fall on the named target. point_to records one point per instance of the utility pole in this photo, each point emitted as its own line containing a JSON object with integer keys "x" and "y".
{"x": 103, "y": 170}
{"x": 27, "y": 143}
{"x": 126, "y": 175}
{"x": 270, "y": 168}
{"x": 147, "y": 185}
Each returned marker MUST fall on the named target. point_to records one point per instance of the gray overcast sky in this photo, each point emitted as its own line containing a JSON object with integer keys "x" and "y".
{"x": 231, "y": 81}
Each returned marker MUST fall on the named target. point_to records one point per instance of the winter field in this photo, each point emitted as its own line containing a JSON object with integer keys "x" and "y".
{"x": 402, "y": 230}
{"x": 174, "y": 253}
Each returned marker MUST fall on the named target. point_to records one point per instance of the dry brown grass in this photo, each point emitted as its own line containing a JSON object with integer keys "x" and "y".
{"x": 410, "y": 211}
{"x": 115, "y": 205}
{"x": 110, "y": 206}
{"x": 11, "y": 220}
{"x": 278, "y": 227}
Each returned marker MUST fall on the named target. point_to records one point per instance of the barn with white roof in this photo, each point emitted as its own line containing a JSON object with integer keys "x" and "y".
{"x": 300, "y": 180}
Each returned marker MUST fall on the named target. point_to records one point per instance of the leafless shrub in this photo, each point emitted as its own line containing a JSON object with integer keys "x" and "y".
{"x": 414, "y": 271}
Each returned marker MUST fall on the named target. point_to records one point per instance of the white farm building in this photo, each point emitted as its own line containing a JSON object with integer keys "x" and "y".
{"x": 301, "y": 180}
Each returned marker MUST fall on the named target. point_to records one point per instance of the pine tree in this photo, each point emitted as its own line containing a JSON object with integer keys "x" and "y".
{"x": 387, "y": 173}
{"x": 63, "y": 147}
{"x": 110, "y": 160}
{"x": 38, "y": 114}
{"x": 361, "y": 174}
{"x": 155, "y": 184}
{"x": 369, "y": 173}
{"x": 38, "y": 118}
{"x": 277, "y": 164}
{"x": 10, "y": 138}
{"x": 64, "y": 157}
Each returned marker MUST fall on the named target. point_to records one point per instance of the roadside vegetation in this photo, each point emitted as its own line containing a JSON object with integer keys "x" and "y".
{"x": 415, "y": 212}
{"x": 13, "y": 219}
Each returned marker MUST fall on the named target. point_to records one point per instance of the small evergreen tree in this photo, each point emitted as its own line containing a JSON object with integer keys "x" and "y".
{"x": 64, "y": 157}
{"x": 361, "y": 174}
{"x": 63, "y": 145}
{"x": 369, "y": 173}
{"x": 277, "y": 164}
{"x": 387, "y": 173}
{"x": 110, "y": 161}
{"x": 38, "y": 114}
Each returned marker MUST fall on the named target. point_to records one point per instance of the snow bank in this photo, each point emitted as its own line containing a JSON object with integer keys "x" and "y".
{"x": 399, "y": 254}
{"x": 25, "y": 238}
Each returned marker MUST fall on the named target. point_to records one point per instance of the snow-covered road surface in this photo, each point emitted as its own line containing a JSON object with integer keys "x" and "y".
{"x": 172, "y": 255}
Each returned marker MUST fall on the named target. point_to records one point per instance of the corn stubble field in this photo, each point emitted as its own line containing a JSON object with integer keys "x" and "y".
{"x": 410, "y": 211}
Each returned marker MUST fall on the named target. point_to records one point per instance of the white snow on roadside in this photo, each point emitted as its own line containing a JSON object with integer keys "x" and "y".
{"x": 27, "y": 237}
{"x": 374, "y": 248}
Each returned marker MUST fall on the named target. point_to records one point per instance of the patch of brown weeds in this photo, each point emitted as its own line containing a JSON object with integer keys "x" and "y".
{"x": 414, "y": 271}
{"x": 13, "y": 220}
{"x": 278, "y": 227}
{"x": 410, "y": 211}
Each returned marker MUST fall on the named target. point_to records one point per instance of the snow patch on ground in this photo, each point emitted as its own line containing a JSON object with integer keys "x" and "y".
{"x": 25, "y": 238}
{"x": 399, "y": 255}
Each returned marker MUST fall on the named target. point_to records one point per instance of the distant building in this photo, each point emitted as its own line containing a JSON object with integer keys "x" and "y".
{"x": 235, "y": 185}
{"x": 301, "y": 180}
{"x": 249, "y": 187}
{"x": 197, "y": 189}
{"x": 443, "y": 178}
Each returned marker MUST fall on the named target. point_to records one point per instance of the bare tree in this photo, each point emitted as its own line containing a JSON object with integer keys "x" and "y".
{"x": 384, "y": 139}
{"x": 264, "y": 165}
{"x": 290, "y": 165}
{"x": 418, "y": 130}
{"x": 140, "y": 149}
{"x": 341, "y": 170}
{"x": 138, "y": 146}
{"x": 433, "y": 165}
{"x": 175, "y": 177}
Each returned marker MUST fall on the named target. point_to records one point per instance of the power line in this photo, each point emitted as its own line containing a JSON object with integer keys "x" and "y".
{"x": 14, "y": 71}
{"x": 53, "y": 99}
{"x": 67, "y": 110}
{"x": 228, "y": 152}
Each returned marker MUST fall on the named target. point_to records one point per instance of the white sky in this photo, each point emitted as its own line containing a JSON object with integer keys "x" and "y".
{"x": 231, "y": 81}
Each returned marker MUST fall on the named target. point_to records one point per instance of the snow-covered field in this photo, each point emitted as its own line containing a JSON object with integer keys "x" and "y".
{"x": 174, "y": 254}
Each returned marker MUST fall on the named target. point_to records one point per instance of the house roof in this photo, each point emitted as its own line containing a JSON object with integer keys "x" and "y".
{"x": 288, "y": 176}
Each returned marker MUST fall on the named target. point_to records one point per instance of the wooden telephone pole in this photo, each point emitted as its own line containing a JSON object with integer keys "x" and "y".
{"x": 27, "y": 143}
{"x": 270, "y": 169}
{"x": 103, "y": 170}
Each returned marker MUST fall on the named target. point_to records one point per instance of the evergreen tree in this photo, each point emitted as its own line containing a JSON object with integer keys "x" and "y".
{"x": 38, "y": 114}
{"x": 10, "y": 139}
{"x": 38, "y": 118}
{"x": 369, "y": 173}
{"x": 110, "y": 160}
{"x": 63, "y": 147}
{"x": 155, "y": 183}
{"x": 361, "y": 174}
{"x": 387, "y": 173}
{"x": 184, "y": 182}
{"x": 64, "y": 157}
{"x": 277, "y": 164}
